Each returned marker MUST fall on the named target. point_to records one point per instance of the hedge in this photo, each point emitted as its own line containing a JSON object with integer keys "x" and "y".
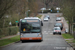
{"x": 46, "y": 11}
{"x": 8, "y": 31}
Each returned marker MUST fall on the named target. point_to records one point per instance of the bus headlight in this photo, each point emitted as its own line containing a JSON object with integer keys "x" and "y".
{"x": 39, "y": 35}
{"x": 21, "y": 35}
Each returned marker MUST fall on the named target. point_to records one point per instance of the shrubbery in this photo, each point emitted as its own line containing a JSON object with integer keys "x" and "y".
{"x": 46, "y": 11}
{"x": 8, "y": 31}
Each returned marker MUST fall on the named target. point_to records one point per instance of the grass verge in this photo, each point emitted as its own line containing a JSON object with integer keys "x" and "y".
{"x": 67, "y": 36}
{"x": 73, "y": 41}
{"x": 9, "y": 40}
{"x": 39, "y": 16}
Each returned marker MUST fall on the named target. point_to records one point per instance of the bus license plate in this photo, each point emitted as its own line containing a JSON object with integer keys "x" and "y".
{"x": 30, "y": 38}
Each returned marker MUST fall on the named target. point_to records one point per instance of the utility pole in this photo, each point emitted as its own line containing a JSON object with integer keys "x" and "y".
{"x": 72, "y": 25}
{"x": 44, "y": 3}
{"x": 27, "y": 9}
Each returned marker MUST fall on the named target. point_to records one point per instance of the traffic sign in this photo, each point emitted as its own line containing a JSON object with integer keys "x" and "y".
{"x": 57, "y": 11}
{"x": 51, "y": 10}
{"x": 16, "y": 21}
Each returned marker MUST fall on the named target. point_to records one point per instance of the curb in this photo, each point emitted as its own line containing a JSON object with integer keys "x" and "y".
{"x": 9, "y": 44}
{"x": 69, "y": 44}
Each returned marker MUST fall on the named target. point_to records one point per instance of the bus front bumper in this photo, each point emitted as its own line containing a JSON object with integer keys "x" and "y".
{"x": 31, "y": 38}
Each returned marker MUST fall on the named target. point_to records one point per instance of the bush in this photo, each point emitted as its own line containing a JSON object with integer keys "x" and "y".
{"x": 46, "y": 11}
{"x": 53, "y": 10}
{"x": 8, "y": 31}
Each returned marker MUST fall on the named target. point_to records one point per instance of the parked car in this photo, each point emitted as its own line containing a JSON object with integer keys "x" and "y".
{"x": 66, "y": 30}
{"x": 45, "y": 19}
{"x": 56, "y": 30}
{"x": 58, "y": 19}
{"x": 47, "y": 16}
{"x": 59, "y": 25}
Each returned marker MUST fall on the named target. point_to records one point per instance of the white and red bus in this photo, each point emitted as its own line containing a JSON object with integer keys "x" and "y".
{"x": 31, "y": 29}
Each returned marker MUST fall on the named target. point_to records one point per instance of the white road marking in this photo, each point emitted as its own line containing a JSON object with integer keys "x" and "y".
{"x": 48, "y": 31}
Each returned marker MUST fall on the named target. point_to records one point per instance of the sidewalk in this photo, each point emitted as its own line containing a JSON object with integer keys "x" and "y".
{"x": 65, "y": 24}
{"x": 9, "y": 36}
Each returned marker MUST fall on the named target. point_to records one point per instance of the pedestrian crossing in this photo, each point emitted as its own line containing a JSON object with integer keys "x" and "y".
{"x": 51, "y": 32}
{"x": 47, "y": 32}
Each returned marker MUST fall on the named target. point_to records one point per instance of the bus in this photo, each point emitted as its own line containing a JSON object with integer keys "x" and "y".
{"x": 31, "y": 29}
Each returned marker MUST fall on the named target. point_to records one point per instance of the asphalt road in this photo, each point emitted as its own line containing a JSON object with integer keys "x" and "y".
{"x": 50, "y": 41}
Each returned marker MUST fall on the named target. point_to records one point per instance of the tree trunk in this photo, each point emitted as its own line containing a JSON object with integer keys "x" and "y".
{"x": 4, "y": 23}
{"x": 46, "y": 6}
{"x": 69, "y": 27}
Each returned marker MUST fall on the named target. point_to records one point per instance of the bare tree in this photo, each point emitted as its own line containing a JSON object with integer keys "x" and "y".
{"x": 46, "y": 2}
{"x": 69, "y": 12}
{"x": 5, "y": 5}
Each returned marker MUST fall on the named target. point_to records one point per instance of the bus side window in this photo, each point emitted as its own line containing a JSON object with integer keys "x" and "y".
{"x": 41, "y": 23}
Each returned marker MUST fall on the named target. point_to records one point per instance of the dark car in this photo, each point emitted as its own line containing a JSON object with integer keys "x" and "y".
{"x": 59, "y": 25}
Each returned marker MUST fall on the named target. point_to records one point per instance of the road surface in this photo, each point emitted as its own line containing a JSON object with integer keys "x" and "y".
{"x": 50, "y": 41}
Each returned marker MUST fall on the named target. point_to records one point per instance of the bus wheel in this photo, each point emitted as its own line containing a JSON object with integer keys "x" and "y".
{"x": 41, "y": 40}
{"x": 22, "y": 41}
{"x": 53, "y": 33}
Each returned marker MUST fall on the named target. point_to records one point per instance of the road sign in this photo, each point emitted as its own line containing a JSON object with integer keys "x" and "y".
{"x": 51, "y": 10}
{"x": 57, "y": 11}
{"x": 16, "y": 21}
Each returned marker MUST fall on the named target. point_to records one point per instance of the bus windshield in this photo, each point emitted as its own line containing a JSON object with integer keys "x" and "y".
{"x": 30, "y": 26}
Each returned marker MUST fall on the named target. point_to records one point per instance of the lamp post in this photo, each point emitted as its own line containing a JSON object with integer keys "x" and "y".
{"x": 27, "y": 13}
{"x": 44, "y": 2}
{"x": 57, "y": 9}
{"x": 10, "y": 24}
{"x": 50, "y": 10}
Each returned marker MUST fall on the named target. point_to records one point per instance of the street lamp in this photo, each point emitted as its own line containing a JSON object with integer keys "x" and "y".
{"x": 50, "y": 10}
{"x": 57, "y": 9}
{"x": 27, "y": 13}
{"x": 10, "y": 21}
{"x": 19, "y": 15}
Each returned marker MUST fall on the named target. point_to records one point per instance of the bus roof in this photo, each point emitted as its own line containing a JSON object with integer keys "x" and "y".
{"x": 32, "y": 18}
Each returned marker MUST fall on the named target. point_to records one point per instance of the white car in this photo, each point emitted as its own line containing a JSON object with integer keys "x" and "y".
{"x": 47, "y": 16}
{"x": 58, "y": 19}
{"x": 45, "y": 19}
{"x": 66, "y": 30}
{"x": 57, "y": 30}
